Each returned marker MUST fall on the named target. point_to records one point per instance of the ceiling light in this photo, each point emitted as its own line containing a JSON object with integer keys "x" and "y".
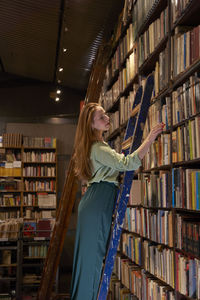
{"x": 60, "y": 69}
{"x": 64, "y": 50}
{"x": 59, "y": 81}
{"x": 57, "y": 99}
{"x": 58, "y": 92}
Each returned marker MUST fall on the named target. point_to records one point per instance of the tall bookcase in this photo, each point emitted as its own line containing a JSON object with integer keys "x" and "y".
{"x": 159, "y": 255}
{"x": 28, "y": 198}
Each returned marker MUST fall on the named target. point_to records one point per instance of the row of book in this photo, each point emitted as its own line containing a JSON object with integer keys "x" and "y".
{"x": 177, "y": 8}
{"x": 11, "y": 140}
{"x": 159, "y": 261}
{"x": 141, "y": 10}
{"x": 153, "y": 225}
{"x": 114, "y": 122}
{"x": 187, "y": 45}
{"x": 29, "y": 213}
{"x": 153, "y": 289}
{"x": 186, "y": 100}
{"x": 131, "y": 247}
{"x": 7, "y": 257}
{"x": 125, "y": 108}
{"x": 156, "y": 189}
{"x": 10, "y": 169}
{"x": 131, "y": 277}
{"x": 39, "y": 142}
{"x": 14, "y": 214}
{"x": 38, "y": 156}
{"x": 161, "y": 72}
{"x": 185, "y": 146}
{"x": 39, "y": 171}
{"x": 139, "y": 283}
{"x": 152, "y": 36}
{"x": 38, "y": 228}
{"x": 158, "y": 153}
{"x": 125, "y": 76}
{"x": 118, "y": 292}
{"x": 40, "y": 200}
{"x": 159, "y": 111}
{"x": 10, "y": 200}
{"x": 124, "y": 47}
{"x": 186, "y": 188}
{"x": 36, "y": 251}
{"x": 187, "y": 275}
{"x": 10, "y": 229}
{"x": 186, "y": 141}
{"x": 42, "y": 185}
{"x": 187, "y": 235}
{"x": 10, "y": 155}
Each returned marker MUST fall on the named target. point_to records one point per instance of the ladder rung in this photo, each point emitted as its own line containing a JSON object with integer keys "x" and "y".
{"x": 127, "y": 143}
{"x": 135, "y": 110}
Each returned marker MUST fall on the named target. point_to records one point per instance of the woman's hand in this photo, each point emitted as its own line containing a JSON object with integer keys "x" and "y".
{"x": 155, "y": 131}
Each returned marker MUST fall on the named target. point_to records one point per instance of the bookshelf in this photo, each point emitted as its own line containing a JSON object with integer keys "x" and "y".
{"x": 159, "y": 253}
{"x": 28, "y": 198}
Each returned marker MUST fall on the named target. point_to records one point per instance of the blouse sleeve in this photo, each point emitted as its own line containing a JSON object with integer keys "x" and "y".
{"x": 110, "y": 158}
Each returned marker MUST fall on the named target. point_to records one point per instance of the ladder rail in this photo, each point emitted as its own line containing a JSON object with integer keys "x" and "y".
{"x": 123, "y": 197}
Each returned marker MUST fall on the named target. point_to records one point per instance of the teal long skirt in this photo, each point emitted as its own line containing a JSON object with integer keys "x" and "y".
{"x": 93, "y": 228}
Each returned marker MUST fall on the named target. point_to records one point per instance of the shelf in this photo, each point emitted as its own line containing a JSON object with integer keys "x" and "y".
{"x": 39, "y": 148}
{"x": 7, "y": 266}
{"x": 10, "y": 191}
{"x": 33, "y": 265}
{"x": 8, "y": 248}
{"x": 164, "y": 167}
{"x": 184, "y": 76}
{"x": 189, "y": 16}
{"x": 10, "y": 207}
{"x": 148, "y": 273}
{"x": 39, "y": 177}
{"x": 8, "y": 279}
{"x": 185, "y": 163}
{"x": 34, "y": 257}
{"x": 152, "y": 15}
{"x": 185, "y": 210}
{"x": 9, "y": 147}
{"x": 29, "y": 191}
{"x": 39, "y": 162}
{"x": 184, "y": 121}
{"x": 38, "y": 207}
{"x": 149, "y": 64}
{"x": 187, "y": 254}
{"x": 8, "y": 239}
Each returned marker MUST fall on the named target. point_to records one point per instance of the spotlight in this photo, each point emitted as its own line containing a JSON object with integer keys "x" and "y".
{"x": 57, "y": 99}
{"x": 60, "y": 69}
{"x": 58, "y": 92}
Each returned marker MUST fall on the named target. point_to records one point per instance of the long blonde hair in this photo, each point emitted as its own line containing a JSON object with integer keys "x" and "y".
{"x": 84, "y": 138}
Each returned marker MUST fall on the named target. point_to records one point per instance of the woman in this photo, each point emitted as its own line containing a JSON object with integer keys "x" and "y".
{"x": 100, "y": 165}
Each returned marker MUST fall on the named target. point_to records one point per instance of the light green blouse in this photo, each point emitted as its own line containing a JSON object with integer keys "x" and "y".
{"x": 107, "y": 163}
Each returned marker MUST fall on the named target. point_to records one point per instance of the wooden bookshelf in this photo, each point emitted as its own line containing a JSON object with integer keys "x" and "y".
{"x": 160, "y": 182}
{"x": 38, "y": 156}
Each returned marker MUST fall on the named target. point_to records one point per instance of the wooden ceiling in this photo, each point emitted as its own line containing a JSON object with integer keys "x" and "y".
{"x": 37, "y": 37}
